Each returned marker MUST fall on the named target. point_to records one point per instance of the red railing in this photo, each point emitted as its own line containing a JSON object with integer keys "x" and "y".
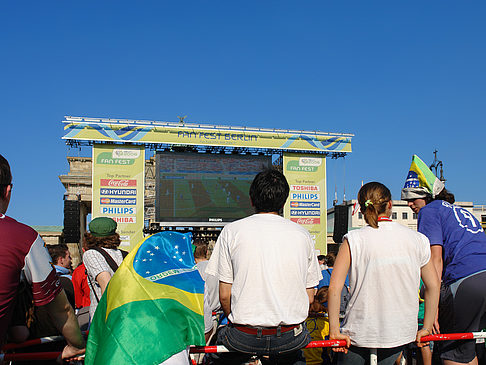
{"x": 207, "y": 349}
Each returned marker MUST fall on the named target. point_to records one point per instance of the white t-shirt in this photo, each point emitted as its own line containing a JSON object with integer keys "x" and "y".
{"x": 384, "y": 280}
{"x": 201, "y": 267}
{"x": 211, "y": 295}
{"x": 270, "y": 261}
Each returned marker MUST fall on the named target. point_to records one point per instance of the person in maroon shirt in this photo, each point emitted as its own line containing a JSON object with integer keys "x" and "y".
{"x": 23, "y": 252}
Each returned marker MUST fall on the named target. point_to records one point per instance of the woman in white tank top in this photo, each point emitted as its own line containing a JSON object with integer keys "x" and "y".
{"x": 385, "y": 261}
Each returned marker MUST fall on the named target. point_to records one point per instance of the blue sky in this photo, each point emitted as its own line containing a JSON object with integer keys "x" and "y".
{"x": 404, "y": 77}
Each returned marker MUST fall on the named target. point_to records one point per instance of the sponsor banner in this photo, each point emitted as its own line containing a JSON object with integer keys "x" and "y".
{"x": 305, "y": 212}
{"x": 118, "y": 201}
{"x": 305, "y": 196}
{"x": 307, "y": 222}
{"x": 304, "y": 188}
{"x": 118, "y": 210}
{"x": 306, "y": 176}
{"x": 125, "y": 241}
{"x": 118, "y": 183}
{"x": 129, "y": 220}
{"x": 296, "y": 204}
{"x": 196, "y": 134}
{"x": 118, "y": 189}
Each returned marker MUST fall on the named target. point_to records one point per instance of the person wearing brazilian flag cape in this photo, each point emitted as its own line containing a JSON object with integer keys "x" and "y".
{"x": 152, "y": 309}
{"x": 458, "y": 251}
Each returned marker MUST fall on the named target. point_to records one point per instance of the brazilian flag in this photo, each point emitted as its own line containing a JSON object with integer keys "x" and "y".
{"x": 420, "y": 176}
{"x": 152, "y": 307}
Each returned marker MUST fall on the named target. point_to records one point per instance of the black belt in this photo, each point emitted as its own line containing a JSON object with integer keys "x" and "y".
{"x": 265, "y": 331}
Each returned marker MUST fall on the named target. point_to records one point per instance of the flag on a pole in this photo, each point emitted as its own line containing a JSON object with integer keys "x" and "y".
{"x": 152, "y": 307}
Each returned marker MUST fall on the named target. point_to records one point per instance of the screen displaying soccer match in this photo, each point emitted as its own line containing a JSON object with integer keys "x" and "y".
{"x": 202, "y": 187}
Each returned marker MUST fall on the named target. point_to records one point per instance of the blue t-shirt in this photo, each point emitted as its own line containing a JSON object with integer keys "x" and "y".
{"x": 459, "y": 233}
{"x": 326, "y": 278}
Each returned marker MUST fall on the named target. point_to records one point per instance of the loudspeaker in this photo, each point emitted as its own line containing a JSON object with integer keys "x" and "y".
{"x": 72, "y": 213}
{"x": 341, "y": 216}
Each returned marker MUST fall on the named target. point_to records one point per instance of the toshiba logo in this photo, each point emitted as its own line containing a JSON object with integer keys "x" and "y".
{"x": 304, "y": 188}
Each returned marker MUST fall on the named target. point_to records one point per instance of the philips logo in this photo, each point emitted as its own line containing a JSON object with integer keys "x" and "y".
{"x": 215, "y": 219}
{"x": 118, "y": 210}
{"x": 305, "y": 196}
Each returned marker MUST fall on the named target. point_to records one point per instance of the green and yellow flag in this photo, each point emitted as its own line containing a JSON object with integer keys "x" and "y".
{"x": 421, "y": 182}
{"x": 152, "y": 307}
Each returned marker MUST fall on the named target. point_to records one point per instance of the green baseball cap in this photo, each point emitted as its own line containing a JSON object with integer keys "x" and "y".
{"x": 102, "y": 227}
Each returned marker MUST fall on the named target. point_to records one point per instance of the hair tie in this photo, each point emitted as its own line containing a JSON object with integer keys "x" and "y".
{"x": 368, "y": 202}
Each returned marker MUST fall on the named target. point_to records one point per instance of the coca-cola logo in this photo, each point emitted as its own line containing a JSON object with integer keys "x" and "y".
{"x": 306, "y": 221}
{"x": 119, "y": 183}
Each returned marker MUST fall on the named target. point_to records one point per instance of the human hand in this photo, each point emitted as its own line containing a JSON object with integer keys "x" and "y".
{"x": 71, "y": 353}
{"x": 421, "y": 333}
{"x": 340, "y": 336}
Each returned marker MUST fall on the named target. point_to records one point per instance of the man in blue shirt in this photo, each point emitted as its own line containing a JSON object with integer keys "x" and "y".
{"x": 458, "y": 251}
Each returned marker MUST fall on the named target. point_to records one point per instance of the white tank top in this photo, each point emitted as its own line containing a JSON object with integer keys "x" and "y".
{"x": 384, "y": 279}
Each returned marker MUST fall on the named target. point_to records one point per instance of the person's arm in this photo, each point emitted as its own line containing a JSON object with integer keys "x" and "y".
{"x": 207, "y": 335}
{"x": 311, "y": 293}
{"x": 62, "y": 315}
{"x": 47, "y": 292}
{"x": 208, "y": 316}
{"x": 339, "y": 272}
{"x": 225, "y": 297}
{"x": 436, "y": 259}
{"x": 432, "y": 289}
{"x": 103, "y": 278}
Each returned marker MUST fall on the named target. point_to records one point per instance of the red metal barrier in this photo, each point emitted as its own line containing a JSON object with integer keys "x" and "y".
{"x": 30, "y": 356}
{"x": 213, "y": 349}
{"x": 453, "y": 336}
{"x": 36, "y": 341}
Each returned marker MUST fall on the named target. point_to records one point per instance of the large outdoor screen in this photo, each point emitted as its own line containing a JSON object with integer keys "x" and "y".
{"x": 200, "y": 187}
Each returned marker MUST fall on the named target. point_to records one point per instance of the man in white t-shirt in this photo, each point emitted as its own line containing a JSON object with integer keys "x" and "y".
{"x": 267, "y": 271}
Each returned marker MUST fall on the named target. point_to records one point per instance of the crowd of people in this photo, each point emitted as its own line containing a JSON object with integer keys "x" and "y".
{"x": 275, "y": 294}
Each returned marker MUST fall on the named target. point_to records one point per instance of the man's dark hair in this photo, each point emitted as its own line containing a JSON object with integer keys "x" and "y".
{"x": 445, "y": 195}
{"x": 269, "y": 191}
{"x": 57, "y": 251}
{"x": 5, "y": 175}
